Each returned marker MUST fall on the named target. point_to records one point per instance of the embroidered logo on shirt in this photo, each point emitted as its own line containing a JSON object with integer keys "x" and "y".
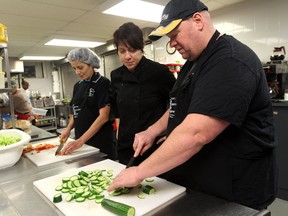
{"x": 173, "y": 104}
{"x": 91, "y": 92}
{"x": 76, "y": 110}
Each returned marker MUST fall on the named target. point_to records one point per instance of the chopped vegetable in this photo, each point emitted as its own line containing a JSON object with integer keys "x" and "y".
{"x": 120, "y": 209}
{"x": 141, "y": 195}
{"x": 38, "y": 148}
{"x": 88, "y": 185}
{"x": 8, "y": 140}
{"x": 57, "y": 198}
{"x": 148, "y": 189}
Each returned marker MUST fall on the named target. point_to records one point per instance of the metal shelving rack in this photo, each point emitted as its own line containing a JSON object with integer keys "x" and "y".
{"x": 48, "y": 123}
{"x": 4, "y": 53}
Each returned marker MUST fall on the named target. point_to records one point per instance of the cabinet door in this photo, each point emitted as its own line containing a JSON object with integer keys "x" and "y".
{"x": 281, "y": 126}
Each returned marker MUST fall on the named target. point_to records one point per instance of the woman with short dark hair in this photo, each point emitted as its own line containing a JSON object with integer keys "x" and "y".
{"x": 139, "y": 90}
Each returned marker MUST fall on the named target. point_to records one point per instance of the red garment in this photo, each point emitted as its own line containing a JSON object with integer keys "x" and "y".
{"x": 22, "y": 116}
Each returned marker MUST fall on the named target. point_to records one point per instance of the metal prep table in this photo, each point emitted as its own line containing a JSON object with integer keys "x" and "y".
{"x": 40, "y": 134}
{"x": 19, "y": 197}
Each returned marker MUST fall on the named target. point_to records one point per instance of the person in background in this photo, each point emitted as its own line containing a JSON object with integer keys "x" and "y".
{"x": 221, "y": 137}
{"x": 22, "y": 109}
{"x": 90, "y": 105}
{"x": 139, "y": 90}
{"x": 25, "y": 91}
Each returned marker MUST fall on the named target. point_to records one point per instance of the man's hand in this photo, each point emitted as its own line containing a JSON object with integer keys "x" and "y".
{"x": 126, "y": 178}
{"x": 142, "y": 142}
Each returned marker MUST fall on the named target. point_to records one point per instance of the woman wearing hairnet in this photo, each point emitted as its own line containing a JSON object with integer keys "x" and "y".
{"x": 90, "y": 105}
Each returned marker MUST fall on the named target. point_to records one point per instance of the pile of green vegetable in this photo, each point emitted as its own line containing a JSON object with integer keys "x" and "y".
{"x": 8, "y": 140}
{"x": 90, "y": 185}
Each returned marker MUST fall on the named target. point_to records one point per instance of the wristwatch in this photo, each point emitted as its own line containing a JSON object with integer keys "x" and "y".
{"x": 170, "y": 50}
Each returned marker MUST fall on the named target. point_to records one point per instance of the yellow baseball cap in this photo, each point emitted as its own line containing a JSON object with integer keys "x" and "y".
{"x": 174, "y": 12}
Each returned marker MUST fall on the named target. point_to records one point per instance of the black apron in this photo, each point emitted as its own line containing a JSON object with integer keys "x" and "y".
{"x": 85, "y": 114}
{"x": 199, "y": 171}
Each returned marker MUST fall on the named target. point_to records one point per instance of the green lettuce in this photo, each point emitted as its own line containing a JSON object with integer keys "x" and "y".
{"x": 7, "y": 140}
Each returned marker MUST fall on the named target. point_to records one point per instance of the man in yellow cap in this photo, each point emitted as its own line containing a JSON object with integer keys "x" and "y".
{"x": 221, "y": 137}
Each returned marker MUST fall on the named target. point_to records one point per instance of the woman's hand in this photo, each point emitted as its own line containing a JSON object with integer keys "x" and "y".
{"x": 70, "y": 147}
{"x": 65, "y": 135}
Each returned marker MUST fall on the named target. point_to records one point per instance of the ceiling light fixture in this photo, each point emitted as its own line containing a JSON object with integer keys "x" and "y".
{"x": 137, "y": 9}
{"x": 42, "y": 58}
{"x": 73, "y": 43}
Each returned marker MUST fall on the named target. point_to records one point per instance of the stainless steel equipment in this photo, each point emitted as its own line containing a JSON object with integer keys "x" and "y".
{"x": 276, "y": 72}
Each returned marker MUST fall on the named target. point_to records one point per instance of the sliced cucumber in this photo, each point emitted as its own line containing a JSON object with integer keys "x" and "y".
{"x": 76, "y": 183}
{"x": 75, "y": 177}
{"x": 92, "y": 197}
{"x": 65, "y": 179}
{"x": 118, "y": 208}
{"x": 83, "y": 173}
{"x": 83, "y": 182}
{"x": 57, "y": 198}
{"x": 141, "y": 195}
{"x": 80, "y": 199}
{"x": 79, "y": 191}
{"x": 149, "y": 189}
{"x": 126, "y": 190}
{"x": 149, "y": 180}
{"x": 70, "y": 184}
{"x": 59, "y": 188}
{"x": 99, "y": 198}
{"x": 69, "y": 198}
{"x": 87, "y": 185}
{"x": 65, "y": 190}
{"x": 86, "y": 194}
{"x": 116, "y": 192}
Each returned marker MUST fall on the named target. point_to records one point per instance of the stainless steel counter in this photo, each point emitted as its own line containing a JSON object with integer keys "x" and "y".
{"x": 18, "y": 196}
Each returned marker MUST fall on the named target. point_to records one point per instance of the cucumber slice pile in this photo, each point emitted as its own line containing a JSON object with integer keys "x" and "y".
{"x": 85, "y": 185}
{"x": 90, "y": 185}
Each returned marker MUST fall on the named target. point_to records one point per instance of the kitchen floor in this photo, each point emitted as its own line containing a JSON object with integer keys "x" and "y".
{"x": 279, "y": 208}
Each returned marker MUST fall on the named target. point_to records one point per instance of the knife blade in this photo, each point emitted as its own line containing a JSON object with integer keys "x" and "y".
{"x": 59, "y": 147}
{"x": 132, "y": 159}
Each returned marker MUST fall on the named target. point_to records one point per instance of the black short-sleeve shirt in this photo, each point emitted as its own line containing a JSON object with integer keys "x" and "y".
{"x": 228, "y": 82}
{"x": 89, "y": 96}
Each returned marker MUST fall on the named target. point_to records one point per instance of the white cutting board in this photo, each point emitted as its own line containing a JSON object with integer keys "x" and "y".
{"x": 47, "y": 156}
{"x": 165, "y": 191}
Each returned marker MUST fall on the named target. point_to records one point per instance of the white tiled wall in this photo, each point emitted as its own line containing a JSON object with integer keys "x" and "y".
{"x": 265, "y": 26}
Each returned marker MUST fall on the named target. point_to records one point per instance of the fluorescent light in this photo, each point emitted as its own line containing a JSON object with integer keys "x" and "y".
{"x": 42, "y": 58}
{"x": 73, "y": 43}
{"x": 137, "y": 9}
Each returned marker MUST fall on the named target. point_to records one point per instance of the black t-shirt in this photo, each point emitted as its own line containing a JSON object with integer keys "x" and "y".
{"x": 89, "y": 96}
{"x": 228, "y": 82}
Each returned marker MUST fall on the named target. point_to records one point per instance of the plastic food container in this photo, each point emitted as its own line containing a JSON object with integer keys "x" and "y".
{"x": 2, "y": 79}
{"x": 10, "y": 154}
{"x": 3, "y": 34}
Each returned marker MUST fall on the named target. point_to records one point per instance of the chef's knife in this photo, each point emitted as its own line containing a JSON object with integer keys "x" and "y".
{"x": 59, "y": 147}
{"x": 131, "y": 161}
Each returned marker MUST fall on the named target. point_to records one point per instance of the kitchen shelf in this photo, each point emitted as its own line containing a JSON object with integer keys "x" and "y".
{"x": 4, "y": 52}
{"x": 48, "y": 123}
